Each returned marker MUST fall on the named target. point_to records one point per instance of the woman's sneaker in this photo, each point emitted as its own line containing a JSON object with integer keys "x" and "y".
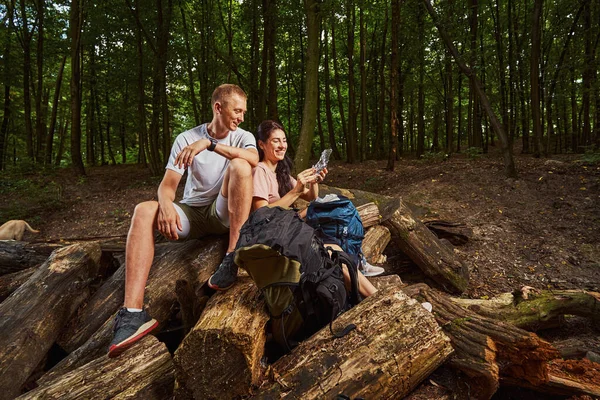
{"x": 226, "y": 274}
{"x": 129, "y": 327}
{"x": 369, "y": 270}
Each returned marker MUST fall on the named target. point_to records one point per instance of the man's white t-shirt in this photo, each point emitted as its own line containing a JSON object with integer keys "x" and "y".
{"x": 205, "y": 175}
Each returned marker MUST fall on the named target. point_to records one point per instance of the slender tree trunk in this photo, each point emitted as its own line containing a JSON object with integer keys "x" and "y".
{"x": 7, "y": 108}
{"x": 509, "y": 164}
{"x": 379, "y": 133}
{"x": 459, "y": 117}
{"x": 363, "y": 86}
{"x": 498, "y": 33}
{"x": 421, "y": 95}
{"x": 351, "y": 138}
{"x": 588, "y": 72}
{"x": 312, "y": 84}
{"x": 338, "y": 89}
{"x": 536, "y": 33}
{"x": 272, "y": 31}
{"x": 26, "y": 43}
{"x": 475, "y": 134}
{"x": 188, "y": 64}
{"x": 254, "y": 56}
{"x": 512, "y": 83}
{"x": 55, "y": 104}
{"x": 40, "y": 123}
{"x": 394, "y": 66}
{"x": 264, "y": 69}
{"x": 75, "y": 24}
{"x": 329, "y": 115}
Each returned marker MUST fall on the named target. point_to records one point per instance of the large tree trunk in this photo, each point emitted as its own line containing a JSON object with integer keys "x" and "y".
{"x": 487, "y": 349}
{"x": 145, "y": 372}
{"x": 309, "y": 114}
{"x": 395, "y": 346}
{"x": 32, "y": 317}
{"x": 221, "y": 356}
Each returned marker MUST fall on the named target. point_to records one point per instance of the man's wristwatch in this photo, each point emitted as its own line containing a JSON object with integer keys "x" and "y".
{"x": 213, "y": 144}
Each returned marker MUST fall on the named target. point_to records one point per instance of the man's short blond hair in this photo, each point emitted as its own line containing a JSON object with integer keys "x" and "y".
{"x": 225, "y": 91}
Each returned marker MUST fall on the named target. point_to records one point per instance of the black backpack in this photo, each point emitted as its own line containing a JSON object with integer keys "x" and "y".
{"x": 302, "y": 284}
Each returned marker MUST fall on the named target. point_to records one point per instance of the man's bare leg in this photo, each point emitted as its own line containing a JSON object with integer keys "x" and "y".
{"x": 139, "y": 252}
{"x": 237, "y": 188}
{"x": 130, "y": 325}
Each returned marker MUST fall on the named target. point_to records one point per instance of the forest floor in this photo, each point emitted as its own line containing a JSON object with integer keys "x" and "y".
{"x": 540, "y": 230}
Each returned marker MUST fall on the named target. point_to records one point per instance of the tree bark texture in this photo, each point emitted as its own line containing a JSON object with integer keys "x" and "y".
{"x": 32, "y": 317}
{"x": 144, "y": 372}
{"x": 11, "y": 282}
{"x": 396, "y": 345}
{"x": 534, "y": 310}
{"x": 16, "y": 256}
{"x": 375, "y": 241}
{"x": 486, "y": 349}
{"x": 220, "y": 357}
{"x": 369, "y": 214}
{"x": 435, "y": 260}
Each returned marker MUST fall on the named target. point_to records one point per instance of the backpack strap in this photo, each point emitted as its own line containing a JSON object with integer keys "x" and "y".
{"x": 340, "y": 257}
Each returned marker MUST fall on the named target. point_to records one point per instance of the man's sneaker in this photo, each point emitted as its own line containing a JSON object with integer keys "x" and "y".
{"x": 226, "y": 274}
{"x": 368, "y": 269}
{"x": 129, "y": 328}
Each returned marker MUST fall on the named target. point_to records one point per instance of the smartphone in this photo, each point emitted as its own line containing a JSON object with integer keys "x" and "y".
{"x": 322, "y": 163}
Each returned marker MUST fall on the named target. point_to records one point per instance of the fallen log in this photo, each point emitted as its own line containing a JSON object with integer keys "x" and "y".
{"x": 220, "y": 357}
{"x": 16, "y": 256}
{"x": 375, "y": 241}
{"x": 534, "y": 310}
{"x": 369, "y": 214}
{"x": 486, "y": 349}
{"x": 11, "y": 282}
{"x": 566, "y": 378}
{"x": 96, "y": 346}
{"x": 145, "y": 372}
{"x": 436, "y": 260}
{"x": 456, "y": 233}
{"x": 396, "y": 345}
{"x": 32, "y": 317}
{"x": 193, "y": 261}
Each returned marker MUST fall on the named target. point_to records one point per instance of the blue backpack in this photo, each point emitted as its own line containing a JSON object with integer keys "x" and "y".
{"x": 337, "y": 221}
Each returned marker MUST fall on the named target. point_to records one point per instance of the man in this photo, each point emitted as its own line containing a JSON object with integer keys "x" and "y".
{"x": 219, "y": 157}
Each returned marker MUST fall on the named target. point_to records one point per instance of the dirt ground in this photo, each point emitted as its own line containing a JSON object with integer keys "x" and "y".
{"x": 540, "y": 230}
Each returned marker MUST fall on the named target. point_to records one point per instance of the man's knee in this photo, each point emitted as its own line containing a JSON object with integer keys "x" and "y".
{"x": 239, "y": 167}
{"x": 145, "y": 212}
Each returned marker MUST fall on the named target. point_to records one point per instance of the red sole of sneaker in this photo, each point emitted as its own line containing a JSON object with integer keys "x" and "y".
{"x": 116, "y": 350}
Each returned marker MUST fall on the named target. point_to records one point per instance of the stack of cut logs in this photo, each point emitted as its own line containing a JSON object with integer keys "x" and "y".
{"x": 58, "y": 303}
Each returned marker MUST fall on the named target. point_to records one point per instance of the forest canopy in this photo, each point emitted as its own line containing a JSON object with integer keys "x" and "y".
{"x": 114, "y": 81}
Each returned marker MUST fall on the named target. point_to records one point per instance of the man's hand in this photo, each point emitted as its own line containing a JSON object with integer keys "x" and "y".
{"x": 186, "y": 155}
{"x": 168, "y": 221}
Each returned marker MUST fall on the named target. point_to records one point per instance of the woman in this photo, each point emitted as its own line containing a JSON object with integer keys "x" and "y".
{"x": 273, "y": 184}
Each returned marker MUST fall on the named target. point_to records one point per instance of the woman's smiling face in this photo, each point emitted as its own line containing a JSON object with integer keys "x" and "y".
{"x": 275, "y": 147}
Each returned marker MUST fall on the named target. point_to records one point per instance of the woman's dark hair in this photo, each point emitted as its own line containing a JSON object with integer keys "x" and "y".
{"x": 284, "y": 167}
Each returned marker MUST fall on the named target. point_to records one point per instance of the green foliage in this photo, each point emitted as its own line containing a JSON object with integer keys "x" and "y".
{"x": 434, "y": 157}
{"x": 474, "y": 153}
{"x": 591, "y": 155}
{"x": 29, "y": 196}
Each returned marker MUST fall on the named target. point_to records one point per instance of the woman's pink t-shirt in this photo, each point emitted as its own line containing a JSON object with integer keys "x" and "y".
{"x": 265, "y": 183}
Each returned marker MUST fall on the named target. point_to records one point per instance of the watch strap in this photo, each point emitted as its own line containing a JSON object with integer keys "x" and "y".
{"x": 213, "y": 144}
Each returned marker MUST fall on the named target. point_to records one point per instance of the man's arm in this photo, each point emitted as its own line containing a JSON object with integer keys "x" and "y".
{"x": 168, "y": 219}
{"x": 186, "y": 155}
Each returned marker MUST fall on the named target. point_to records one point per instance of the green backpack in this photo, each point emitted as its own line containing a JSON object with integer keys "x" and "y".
{"x": 302, "y": 284}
